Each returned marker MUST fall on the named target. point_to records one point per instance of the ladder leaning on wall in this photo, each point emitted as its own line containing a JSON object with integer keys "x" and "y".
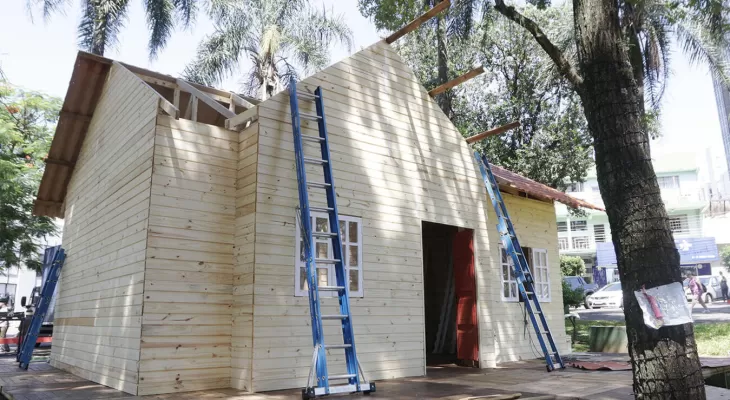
{"x": 319, "y": 380}
{"x": 521, "y": 269}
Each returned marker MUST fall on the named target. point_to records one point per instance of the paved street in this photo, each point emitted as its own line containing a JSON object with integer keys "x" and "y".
{"x": 719, "y": 312}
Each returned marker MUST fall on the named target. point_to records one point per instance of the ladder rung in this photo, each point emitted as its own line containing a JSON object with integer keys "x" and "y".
{"x": 334, "y": 316}
{"x": 326, "y": 260}
{"x": 344, "y": 376}
{"x": 331, "y": 288}
{"x": 337, "y": 346}
{"x": 312, "y": 138}
{"x": 314, "y": 160}
{"x": 544, "y": 332}
{"x": 320, "y": 185}
{"x": 312, "y": 117}
{"x": 324, "y": 234}
{"x": 307, "y": 96}
{"x": 321, "y": 209}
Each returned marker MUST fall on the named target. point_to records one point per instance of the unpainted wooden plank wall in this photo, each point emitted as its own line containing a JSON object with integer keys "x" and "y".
{"x": 243, "y": 272}
{"x": 99, "y": 306}
{"x": 397, "y": 161}
{"x": 188, "y": 297}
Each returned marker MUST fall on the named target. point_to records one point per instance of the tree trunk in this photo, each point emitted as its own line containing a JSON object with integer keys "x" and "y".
{"x": 664, "y": 361}
{"x": 444, "y": 99}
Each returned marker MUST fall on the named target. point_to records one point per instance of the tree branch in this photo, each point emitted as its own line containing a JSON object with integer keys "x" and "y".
{"x": 565, "y": 67}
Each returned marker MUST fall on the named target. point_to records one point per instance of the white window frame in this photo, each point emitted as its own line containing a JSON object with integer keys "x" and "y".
{"x": 584, "y": 239}
{"x": 575, "y": 226}
{"x": 511, "y": 280}
{"x": 668, "y": 182}
{"x": 541, "y": 274}
{"x": 563, "y": 243}
{"x": 298, "y": 263}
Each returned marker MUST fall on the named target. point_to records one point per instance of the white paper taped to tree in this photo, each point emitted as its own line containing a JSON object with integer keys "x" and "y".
{"x": 665, "y": 305}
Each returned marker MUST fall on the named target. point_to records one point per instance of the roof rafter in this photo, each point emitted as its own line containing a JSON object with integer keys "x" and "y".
{"x": 413, "y": 25}
{"x": 456, "y": 81}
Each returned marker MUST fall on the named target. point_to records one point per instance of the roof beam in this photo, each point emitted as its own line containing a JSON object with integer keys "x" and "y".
{"x": 200, "y": 95}
{"x": 60, "y": 162}
{"x": 162, "y": 102}
{"x": 456, "y": 81}
{"x": 492, "y": 132}
{"x": 413, "y": 25}
{"x": 76, "y": 116}
{"x": 251, "y": 114}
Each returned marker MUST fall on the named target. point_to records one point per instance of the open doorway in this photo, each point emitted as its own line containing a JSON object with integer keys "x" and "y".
{"x": 452, "y": 335}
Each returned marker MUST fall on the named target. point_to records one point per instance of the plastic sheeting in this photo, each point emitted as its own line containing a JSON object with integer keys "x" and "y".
{"x": 672, "y": 304}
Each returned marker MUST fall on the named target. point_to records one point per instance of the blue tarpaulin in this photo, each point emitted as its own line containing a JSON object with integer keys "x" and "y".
{"x": 691, "y": 251}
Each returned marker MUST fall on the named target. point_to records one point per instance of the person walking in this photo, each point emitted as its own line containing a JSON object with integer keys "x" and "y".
{"x": 723, "y": 286}
{"x": 4, "y": 324}
{"x": 697, "y": 293}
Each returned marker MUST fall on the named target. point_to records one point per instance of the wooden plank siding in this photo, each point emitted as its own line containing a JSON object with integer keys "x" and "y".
{"x": 397, "y": 161}
{"x": 243, "y": 273}
{"x": 188, "y": 296}
{"x": 99, "y": 306}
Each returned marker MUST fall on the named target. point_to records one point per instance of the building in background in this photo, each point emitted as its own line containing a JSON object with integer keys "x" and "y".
{"x": 686, "y": 200}
{"x": 722, "y": 97}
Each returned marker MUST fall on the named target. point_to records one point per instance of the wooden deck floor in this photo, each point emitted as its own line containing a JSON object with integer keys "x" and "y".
{"x": 43, "y": 382}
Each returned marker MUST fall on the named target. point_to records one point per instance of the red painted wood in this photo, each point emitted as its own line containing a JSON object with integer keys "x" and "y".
{"x": 467, "y": 332}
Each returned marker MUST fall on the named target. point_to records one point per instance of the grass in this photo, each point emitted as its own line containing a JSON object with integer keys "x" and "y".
{"x": 713, "y": 339}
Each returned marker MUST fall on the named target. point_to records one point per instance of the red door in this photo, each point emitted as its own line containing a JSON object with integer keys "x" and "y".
{"x": 467, "y": 334}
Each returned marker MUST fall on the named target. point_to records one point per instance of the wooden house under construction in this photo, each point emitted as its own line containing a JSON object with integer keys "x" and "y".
{"x": 180, "y": 225}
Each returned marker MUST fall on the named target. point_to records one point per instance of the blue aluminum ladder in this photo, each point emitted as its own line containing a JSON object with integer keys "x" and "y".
{"x": 25, "y": 353}
{"x": 521, "y": 269}
{"x": 319, "y": 382}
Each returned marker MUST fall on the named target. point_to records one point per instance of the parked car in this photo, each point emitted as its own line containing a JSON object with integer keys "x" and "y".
{"x": 577, "y": 282}
{"x": 712, "y": 283}
{"x": 609, "y": 296}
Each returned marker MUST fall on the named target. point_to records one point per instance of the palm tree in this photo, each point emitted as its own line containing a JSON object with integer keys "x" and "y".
{"x": 101, "y": 20}
{"x": 279, "y": 37}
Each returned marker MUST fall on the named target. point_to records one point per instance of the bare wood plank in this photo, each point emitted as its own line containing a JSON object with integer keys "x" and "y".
{"x": 456, "y": 81}
{"x": 205, "y": 99}
{"x": 249, "y": 115}
{"x": 176, "y": 98}
{"x": 59, "y": 162}
{"x": 240, "y": 101}
{"x": 411, "y": 26}
{"x": 165, "y": 105}
{"x": 492, "y": 132}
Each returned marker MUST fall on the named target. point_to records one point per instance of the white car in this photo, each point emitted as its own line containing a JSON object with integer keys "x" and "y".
{"x": 609, "y": 296}
{"x": 712, "y": 283}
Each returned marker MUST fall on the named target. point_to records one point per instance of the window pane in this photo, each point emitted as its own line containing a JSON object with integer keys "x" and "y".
{"x": 323, "y": 276}
{"x": 353, "y": 260}
{"x": 322, "y": 249}
{"x": 303, "y": 279}
{"x": 505, "y": 290}
{"x": 321, "y": 225}
{"x": 302, "y": 251}
{"x": 504, "y": 256}
{"x": 354, "y": 281}
{"x": 513, "y": 288}
{"x": 505, "y": 272}
{"x": 344, "y": 253}
{"x": 342, "y": 230}
{"x": 353, "y": 232}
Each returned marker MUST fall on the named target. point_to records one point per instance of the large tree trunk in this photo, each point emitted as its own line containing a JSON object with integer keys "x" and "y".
{"x": 444, "y": 99}
{"x": 664, "y": 361}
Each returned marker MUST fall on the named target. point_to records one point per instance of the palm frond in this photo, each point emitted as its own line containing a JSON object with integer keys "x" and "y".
{"x": 186, "y": 11}
{"x": 160, "y": 22}
{"x": 700, "y": 45}
{"x": 48, "y": 7}
{"x": 217, "y": 56}
{"x": 309, "y": 36}
{"x": 100, "y": 23}
{"x": 655, "y": 51}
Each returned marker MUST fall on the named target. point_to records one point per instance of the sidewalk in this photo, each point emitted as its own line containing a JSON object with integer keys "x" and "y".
{"x": 43, "y": 382}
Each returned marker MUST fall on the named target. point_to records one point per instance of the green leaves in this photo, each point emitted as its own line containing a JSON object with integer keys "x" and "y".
{"x": 27, "y": 120}
{"x": 281, "y": 38}
{"x": 572, "y": 266}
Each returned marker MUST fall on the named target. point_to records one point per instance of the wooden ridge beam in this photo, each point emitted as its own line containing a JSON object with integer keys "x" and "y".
{"x": 411, "y": 26}
{"x": 492, "y": 132}
{"x": 456, "y": 81}
{"x": 59, "y": 162}
{"x": 202, "y": 96}
{"x": 249, "y": 115}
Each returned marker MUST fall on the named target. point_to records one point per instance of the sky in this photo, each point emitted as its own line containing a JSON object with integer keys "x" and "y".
{"x": 39, "y": 55}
